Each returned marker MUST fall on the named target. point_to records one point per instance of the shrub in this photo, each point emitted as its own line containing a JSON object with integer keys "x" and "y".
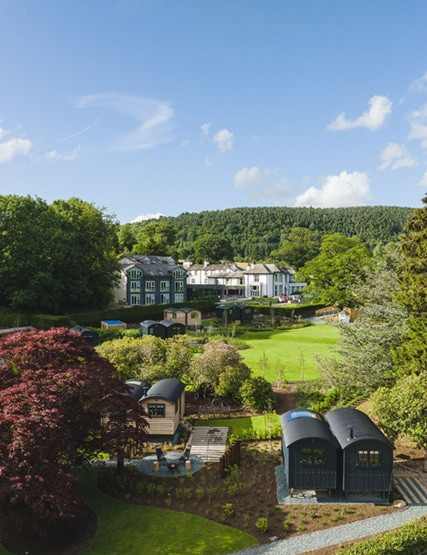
{"x": 262, "y": 524}
{"x": 228, "y": 510}
{"x": 257, "y": 393}
{"x": 410, "y": 539}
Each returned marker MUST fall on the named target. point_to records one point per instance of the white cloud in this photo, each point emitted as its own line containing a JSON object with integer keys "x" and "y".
{"x": 66, "y": 156}
{"x": 420, "y": 84}
{"x": 423, "y": 181}
{"x": 224, "y": 140}
{"x": 418, "y": 123}
{"x": 249, "y": 176}
{"x": 152, "y": 116}
{"x": 208, "y": 162}
{"x": 273, "y": 193}
{"x": 205, "y": 128}
{"x": 379, "y": 108}
{"x": 185, "y": 144}
{"x": 144, "y": 217}
{"x": 396, "y": 156}
{"x": 345, "y": 189}
{"x": 11, "y": 148}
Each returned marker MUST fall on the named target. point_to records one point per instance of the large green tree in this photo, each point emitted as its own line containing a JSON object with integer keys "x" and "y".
{"x": 156, "y": 238}
{"x": 301, "y": 245}
{"x": 366, "y": 347}
{"x": 412, "y": 356}
{"x": 55, "y": 257}
{"x": 212, "y": 247}
{"x": 331, "y": 275}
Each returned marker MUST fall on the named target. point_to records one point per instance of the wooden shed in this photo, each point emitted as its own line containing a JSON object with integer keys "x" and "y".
{"x": 90, "y": 336}
{"x": 172, "y": 328}
{"x": 151, "y": 327}
{"x": 367, "y": 455}
{"x": 184, "y": 315}
{"x": 165, "y": 405}
{"x": 112, "y": 324}
{"x": 310, "y": 451}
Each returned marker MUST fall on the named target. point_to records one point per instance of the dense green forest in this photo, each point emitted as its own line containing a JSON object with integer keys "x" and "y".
{"x": 255, "y": 232}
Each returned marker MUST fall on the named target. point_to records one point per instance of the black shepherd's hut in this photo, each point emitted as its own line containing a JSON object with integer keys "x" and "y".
{"x": 228, "y": 312}
{"x": 246, "y": 313}
{"x": 310, "y": 451}
{"x": 151, "y": 327}
{"x": 172, "y": 328}
{"x": 90, "y": 336}
{"x": 367, "y": 455}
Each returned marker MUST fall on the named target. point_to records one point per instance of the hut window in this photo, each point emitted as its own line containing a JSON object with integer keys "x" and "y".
{"x": 368, "y": 458}
{"x": 156, "y": 410}
{"x": 312, "y": 456}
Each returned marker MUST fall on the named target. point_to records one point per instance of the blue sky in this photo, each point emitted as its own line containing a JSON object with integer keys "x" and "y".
{"x": 149, "y": 107}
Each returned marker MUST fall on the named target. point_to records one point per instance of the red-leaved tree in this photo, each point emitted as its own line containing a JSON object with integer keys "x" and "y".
{"x": 60, "y": 402}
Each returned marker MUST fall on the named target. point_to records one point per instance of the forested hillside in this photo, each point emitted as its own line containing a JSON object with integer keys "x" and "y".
{"x": 255, "y": 232}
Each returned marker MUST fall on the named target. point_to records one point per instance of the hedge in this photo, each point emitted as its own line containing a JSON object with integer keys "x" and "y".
{"x": 410, "y": 539}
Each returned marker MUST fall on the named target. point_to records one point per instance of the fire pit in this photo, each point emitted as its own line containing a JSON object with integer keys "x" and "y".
{"x": 173, "y": 466}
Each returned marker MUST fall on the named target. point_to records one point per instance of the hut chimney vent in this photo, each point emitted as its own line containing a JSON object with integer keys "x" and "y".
{"x": 350, "y": 433}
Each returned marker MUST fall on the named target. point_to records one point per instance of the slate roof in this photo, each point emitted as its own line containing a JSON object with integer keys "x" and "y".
{"x": 138, "y": 388}
{"x": 168, "y": 389}
{"x": 351, "y": 426}
{"x": 304, "y": 424}
{"x": 149, "y": 264}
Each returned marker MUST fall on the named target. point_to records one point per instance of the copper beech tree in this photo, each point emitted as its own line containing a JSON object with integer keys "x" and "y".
{"x": 60, "y": 403}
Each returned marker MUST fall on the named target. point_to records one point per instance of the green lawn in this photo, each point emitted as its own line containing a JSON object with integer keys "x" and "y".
{"x": 134, "y": 529}
{"x": 290, "y": 351}
{"x": 238, "y": 426}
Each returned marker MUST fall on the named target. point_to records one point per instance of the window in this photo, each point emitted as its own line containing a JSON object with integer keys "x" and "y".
{"x": 135, "y": 285}
{"x": 164, "y": 286}
{"x": 368, "y": 458}
{"x": 134, "y": 274}
{"x": 149, "y": 286}
{"x": 312, "y": 456}
{"x": 135, "y": 299}
{"x": 193, "y": 315}
{"x": 179, "y": 297}
{"x": 149, "y": 298}
{"x": 179, "y": 286}
{"x": 256, "y": 278}
{"x": 156, "y": 410}
{"x": 179, "y": 274}
{"x": 164, "y": 298}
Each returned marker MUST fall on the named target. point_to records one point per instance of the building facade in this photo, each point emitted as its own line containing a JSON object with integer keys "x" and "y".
{"x": 150, "y": 280}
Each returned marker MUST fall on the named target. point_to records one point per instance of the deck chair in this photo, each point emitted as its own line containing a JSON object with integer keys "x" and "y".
{"x": 160, "y": 455}
{"x": 186, "y": 455}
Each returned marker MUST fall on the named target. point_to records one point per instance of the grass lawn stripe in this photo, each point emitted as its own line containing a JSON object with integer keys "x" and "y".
{"x": 135, "y": 529}
{"x": 290, "y": 350}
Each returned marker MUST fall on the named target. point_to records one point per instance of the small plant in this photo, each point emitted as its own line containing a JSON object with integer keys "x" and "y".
{"x": 287, "y": 526}
{"x": 262, "y": 524}
{"x": 228, "y": 510}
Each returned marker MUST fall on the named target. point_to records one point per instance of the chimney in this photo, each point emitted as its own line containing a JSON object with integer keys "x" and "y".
{"x": 350, "y": 433}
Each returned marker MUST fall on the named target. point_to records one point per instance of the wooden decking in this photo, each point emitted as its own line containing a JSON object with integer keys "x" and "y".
{"x": 411, "y": 490}
{"x": 209, "y": 442}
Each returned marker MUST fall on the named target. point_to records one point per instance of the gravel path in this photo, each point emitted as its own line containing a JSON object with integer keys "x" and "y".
{"x": 339, "y": 534}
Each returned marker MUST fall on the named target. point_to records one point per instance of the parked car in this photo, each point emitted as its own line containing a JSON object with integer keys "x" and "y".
{"x": 284, "y": 299}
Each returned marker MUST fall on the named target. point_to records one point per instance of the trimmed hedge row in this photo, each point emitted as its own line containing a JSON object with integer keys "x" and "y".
{"x": 410, "y": 539}
{"x": 136, "y": 314}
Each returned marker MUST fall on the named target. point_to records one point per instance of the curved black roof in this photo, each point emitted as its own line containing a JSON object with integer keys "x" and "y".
{"x": 138, "y": 388}
{"x": 351, "y": 426}
{"x": 170, "y": 323}
{"x": 168, "y": 389}
{"x": 303, "y": 424}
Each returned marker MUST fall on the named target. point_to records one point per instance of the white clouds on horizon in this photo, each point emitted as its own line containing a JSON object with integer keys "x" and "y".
{"x": 420, "y": 84}
{"x": 148, "y": 216}
{"x": 205, "y": 128}
{"x": 379, "y": 109}
{"x": 423, "y": 181}
{"x": 13, "y": 147}
{"x": 66, "y": 156}
{"x": 418, "y": 123}
{"x": 153, "y": 118}
{"x": 345, "y": 189}
{"x": 274, "y": 193}
{"x": 249, "y": 176}
{"x": 224, "y": 140}
{"x": 396, "y": 156}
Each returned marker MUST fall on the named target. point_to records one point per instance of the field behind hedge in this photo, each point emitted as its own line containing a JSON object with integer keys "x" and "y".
{"x": 288, "y": 355}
